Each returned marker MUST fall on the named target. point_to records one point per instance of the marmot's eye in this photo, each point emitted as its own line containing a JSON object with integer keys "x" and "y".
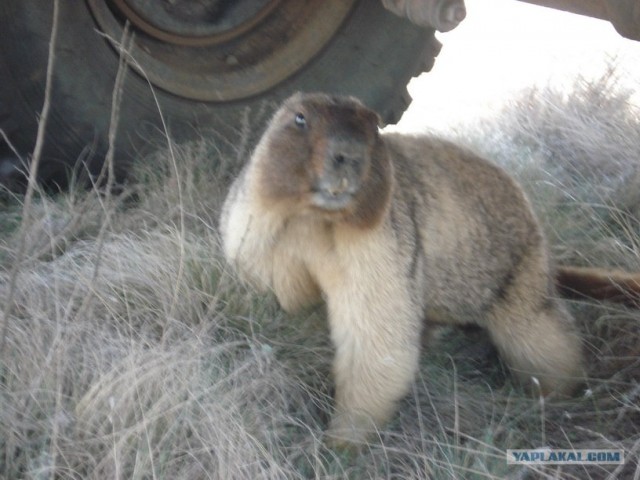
{"x": 300, "y": 120}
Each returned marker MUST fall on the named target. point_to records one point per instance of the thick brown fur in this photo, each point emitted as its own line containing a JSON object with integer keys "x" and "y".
{"x": 395, "y": 233}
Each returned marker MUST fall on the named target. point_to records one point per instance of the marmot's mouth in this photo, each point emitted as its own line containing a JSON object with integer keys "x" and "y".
{"x": 333, "y": 192}
{"x": 330, "y": 201}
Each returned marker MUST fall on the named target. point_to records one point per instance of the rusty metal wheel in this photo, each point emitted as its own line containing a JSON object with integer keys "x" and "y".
{"x": 198, "y": 67}
{"x": 222, "y": 51}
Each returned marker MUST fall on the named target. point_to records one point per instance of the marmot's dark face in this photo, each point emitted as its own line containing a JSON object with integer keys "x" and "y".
{"x": 321, "y": 153}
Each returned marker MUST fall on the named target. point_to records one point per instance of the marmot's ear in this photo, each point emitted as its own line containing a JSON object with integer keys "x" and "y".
{"x": 372, "y": 119}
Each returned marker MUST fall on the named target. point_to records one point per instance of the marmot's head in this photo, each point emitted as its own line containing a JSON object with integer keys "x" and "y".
{"x": 324, "y": 153}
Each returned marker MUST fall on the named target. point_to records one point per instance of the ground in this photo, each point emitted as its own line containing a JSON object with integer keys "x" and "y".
{"x": 129, "y": 349}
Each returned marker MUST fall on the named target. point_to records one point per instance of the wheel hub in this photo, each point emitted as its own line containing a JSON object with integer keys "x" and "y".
{"x": 194, "y": 22}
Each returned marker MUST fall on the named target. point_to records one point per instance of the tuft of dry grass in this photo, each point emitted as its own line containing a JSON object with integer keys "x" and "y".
{"x": 576, "y": 154}
{"x": 133, "y": 352}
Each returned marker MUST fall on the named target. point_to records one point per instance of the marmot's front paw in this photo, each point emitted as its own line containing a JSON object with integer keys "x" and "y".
{"x": 349, "y": 433}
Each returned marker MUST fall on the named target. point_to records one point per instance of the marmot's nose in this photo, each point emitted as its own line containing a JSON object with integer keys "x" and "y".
{"x": 339, "y": 159}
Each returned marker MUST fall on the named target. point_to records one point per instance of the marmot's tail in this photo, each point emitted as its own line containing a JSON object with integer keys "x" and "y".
{"x": 599, "y": 284}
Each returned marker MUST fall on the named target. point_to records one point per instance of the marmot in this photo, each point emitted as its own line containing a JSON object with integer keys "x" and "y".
{"x": 395, "y": 232}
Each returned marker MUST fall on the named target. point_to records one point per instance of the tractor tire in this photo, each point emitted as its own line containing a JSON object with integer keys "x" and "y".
{"x": 223, "y": 82}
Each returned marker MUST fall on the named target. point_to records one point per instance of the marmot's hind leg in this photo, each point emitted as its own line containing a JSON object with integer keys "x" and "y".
{"x": 536, "y": 336}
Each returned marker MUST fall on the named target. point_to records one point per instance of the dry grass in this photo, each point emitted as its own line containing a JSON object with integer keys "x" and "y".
{"x": 131, "y": 352}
